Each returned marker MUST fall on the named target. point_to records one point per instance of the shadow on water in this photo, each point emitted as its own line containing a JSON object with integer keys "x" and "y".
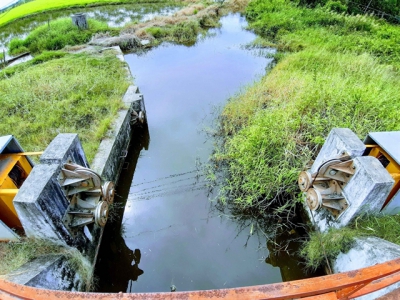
{"x": 184, "y": 239}
{"x": 117, "y": 253}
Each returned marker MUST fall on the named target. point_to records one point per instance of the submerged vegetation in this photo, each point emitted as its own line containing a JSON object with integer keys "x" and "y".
{"x": 78, "y": 93}
{"x": 14, "y": 254}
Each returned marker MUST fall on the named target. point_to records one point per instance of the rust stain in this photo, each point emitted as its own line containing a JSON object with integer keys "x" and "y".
{"x": 388, "y": 273}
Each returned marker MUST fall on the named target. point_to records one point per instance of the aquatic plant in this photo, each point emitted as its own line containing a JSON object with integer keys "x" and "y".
{"x": 78, "y": 93}
{"x": 56, "y": 35}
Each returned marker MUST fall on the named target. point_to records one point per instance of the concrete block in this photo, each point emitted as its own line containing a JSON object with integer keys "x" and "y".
{"x": 339, "y": 140}
{"x": 41, "y": 205}
{"x": 131, "y": 95}
{"x": 48, "y": 272}
{"x": 64, "y": 146}
{"x": 367, "y": 189}
{"x": 113, "y": 149}
{"x": 366, "y": 252}
{"x": 366, "y": 192}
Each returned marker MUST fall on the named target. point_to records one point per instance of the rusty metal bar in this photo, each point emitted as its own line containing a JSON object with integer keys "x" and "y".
{"x": 319, "y": 286}
{"x": 378, "y": 284}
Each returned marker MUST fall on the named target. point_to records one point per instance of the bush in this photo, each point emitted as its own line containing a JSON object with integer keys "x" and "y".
{"x": 55, "y": 36}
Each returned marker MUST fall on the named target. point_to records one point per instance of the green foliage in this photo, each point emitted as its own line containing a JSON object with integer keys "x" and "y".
{"x": 182, "y": 32}
{"x": 328, "y": 245}
{"x": 338, "y": 71}
{"x": 341, "y": 240}
{"x": 56, "y": 35}
{"x": 14, "y": 254}
{"x": 76, "y": 93}
{"x": 157, "y": 32}
{"x": 383, "y": 226}
{"x": 389, "y": 9}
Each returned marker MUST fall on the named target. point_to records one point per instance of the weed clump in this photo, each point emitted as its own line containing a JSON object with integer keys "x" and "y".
{"x": 75, "y": 93}
{"x": 337, "y": 241}
{"x": 15, "y": 254}
{"x": 56, "y": 35}
{"x": 328, "y": 245}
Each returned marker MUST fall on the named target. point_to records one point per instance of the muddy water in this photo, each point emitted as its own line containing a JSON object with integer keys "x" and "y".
{"x": 170, "y": 233}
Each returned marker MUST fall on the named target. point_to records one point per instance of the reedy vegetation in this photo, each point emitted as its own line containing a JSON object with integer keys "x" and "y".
{"x": 340, "y": 240}
{"x": 77, "y": 93}
{"x": 333, "y": 70}
{"x": 56, "y": 35}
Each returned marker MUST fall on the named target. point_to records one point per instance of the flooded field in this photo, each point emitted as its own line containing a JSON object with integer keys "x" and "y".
{"x": 170, "y": 232}
{"x": 113, "y": 15}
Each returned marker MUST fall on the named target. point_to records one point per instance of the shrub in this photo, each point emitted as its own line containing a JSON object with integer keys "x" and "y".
{"x": 55, "y": 36}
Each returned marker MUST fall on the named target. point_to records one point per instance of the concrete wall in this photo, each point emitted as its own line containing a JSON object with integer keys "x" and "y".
{"x": 42, "y": 204}
{"x": 366, "y": 252}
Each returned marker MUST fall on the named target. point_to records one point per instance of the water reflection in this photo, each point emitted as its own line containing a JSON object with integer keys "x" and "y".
{"x": 168, "y": 215}
{"x": 114, "y": 252}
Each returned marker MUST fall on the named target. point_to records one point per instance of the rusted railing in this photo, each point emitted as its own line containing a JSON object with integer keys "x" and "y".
{"x": 337, "y": 286}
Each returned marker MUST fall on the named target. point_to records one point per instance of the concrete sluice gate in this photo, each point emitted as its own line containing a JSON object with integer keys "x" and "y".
{"x": 350, "y": 178}
{"x": 61, "y": 199}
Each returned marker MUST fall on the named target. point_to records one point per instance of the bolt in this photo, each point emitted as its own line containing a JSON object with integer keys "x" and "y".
{"x": 332, "y": 172}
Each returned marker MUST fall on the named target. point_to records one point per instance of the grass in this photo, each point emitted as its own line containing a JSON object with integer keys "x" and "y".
{"x": 333, "y": 70}
{"x": 184, "y": 27}
{"x": 78, "y": 93}
{"x": 40, "y": 6}
{"x": 337, "y": 241}
{"x": 14, "y": 254}
{"x": 56, "y": 35}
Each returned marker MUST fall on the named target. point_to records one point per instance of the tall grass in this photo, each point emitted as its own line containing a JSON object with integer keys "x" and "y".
{"x": 56, "y": 35}
{"x": 333, "y": 70}
{"x": 336, "y": 241}
{"x": 77, "y": 93}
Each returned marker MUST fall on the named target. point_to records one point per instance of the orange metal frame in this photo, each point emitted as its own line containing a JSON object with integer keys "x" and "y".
{"x": 337, "y": 286}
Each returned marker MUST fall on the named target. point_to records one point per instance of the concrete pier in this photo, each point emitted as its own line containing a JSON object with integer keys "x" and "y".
{"x": 41, "y": 203}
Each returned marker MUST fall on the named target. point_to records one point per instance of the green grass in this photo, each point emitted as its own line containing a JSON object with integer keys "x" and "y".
{"x": 76, "y": 93}
{"x": 333, "y": 70}
{"x": 15, "y": 254}
{"x": 40, "y": 6}
{"x": 337, "y": 241}
{"x": 56, "y": 35}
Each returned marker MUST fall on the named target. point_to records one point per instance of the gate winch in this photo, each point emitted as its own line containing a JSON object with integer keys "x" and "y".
{"x": 324, "y": 188}
{"x": 88, "y": 200}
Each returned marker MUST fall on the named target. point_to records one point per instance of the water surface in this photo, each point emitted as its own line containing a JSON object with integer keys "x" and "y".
{"x": 171, "y": 234}
{"x": 113, "y": 15}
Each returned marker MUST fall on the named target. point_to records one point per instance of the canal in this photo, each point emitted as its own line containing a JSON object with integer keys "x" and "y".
{"x": 166, "y": 231}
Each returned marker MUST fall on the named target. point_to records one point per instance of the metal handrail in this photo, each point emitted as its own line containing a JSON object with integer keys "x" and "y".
{"x": 346, "y": 285}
